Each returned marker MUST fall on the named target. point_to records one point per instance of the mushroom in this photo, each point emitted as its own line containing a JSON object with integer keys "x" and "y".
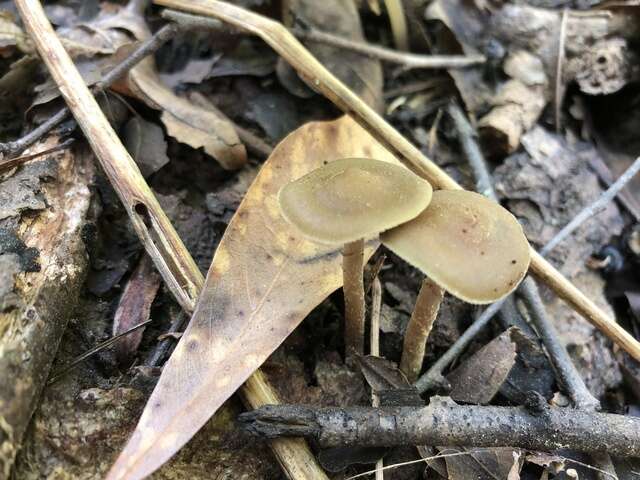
{"x": 345, "y": 202}
{"x": 468, "y": 245}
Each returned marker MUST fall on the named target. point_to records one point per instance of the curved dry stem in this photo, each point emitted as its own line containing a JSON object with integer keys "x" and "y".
{"x": 353, "y": 288}
{"x": 419, "y": 328}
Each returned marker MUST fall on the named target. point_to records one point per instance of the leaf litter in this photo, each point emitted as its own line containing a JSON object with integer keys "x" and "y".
{"x": 533, "y": 180}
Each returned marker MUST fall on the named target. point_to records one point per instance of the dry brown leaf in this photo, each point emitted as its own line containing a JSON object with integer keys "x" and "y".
{"x": 11, "y": 36}
{"x": 115, "y": 26}
{"x": 186, "y": 122}
{"x": 134, "y": 308}
{"x": 264, "y": 279}
{"x": 146, "y": 144}
{"x": 480, "y": 377}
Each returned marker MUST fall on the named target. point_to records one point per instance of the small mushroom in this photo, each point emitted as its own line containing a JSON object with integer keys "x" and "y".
{"x": 345, "y": 202}
{"x": 468, "y": 245}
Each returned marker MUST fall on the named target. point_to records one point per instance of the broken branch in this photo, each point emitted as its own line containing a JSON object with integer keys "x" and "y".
{"x": 444, "y": 422}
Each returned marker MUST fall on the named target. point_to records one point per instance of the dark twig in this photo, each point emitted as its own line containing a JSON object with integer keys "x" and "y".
{"x": 148, "y": 47}
{"x": 626, "y": 199}
{"x": 6, "y": 164}
{"x": 566, "y": 371}
{"x": 99, "y": 347}
{"x": 443, "y": 422}
{"x": 162, "y": 348}
{"x": 407, "y": 60}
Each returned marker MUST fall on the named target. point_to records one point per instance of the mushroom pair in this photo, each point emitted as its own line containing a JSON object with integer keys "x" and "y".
{"x": 465, "y": 243}
{"x": 344, "y": 202}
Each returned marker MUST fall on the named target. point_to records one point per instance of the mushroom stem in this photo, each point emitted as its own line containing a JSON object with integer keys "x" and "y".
{"x": 353, "y": 288}
{"x": 419, "y": 327}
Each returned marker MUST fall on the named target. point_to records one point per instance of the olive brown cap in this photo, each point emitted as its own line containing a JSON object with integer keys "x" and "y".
{"x": 353, "y": 198}
{"x": 470, "y": 245}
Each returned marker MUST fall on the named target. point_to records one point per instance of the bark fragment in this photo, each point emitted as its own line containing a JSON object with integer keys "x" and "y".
{"x": 40, "y": 295}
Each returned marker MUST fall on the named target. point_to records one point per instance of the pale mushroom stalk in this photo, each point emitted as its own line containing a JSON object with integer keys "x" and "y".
{"x": 353, "y": 289}
{"x": 345, "y": 202}
{"x": 419, "y": 327}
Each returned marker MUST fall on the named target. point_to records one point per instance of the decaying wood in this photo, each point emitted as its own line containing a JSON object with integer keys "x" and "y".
{"x": 309, "y": 68}
{"x": 444, "y": 422}
{"x": 37, "y": 299}
{"x": 177, "y": 267}
{"x": 517, "y": 105}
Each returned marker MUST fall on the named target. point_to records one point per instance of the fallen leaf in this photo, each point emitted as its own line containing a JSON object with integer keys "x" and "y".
{"x": 114, "y": 26}
{"x": 145, "y": 142}
{"x": 264, "y": 279}
{"x": 186, "y": 122}
{"x": 531, "y": 371}
{"x": 11, "y": 36}
{"x": 489, "y": 464}
{"x": 134, "y": 308}
{"x": 480, "y": 377}
{"x": 248, "y": 58}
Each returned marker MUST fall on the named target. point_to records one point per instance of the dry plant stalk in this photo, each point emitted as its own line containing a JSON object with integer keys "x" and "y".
{"x": 151, "y": 224}
{"x": 161, "y": 241}
{"x": 316, "y": 75}
{"x": 419, "y": 327}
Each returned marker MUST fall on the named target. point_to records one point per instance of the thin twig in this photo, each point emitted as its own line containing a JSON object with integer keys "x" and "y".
{"x": 444, "y": 422}
{"x": 8, "y": 163}
{"x": 471, "y": 452}
{"x": 92, "y": 351}
{"x": 308, "y": 67}
{"x": 374, "y": 349}
{"x": 407, "y": 60}
{"x": 560, "y": 61}
{"x": 567, "y": 373}
{"x": 595, "y": 208}
{"x": 627, "y": 200}
{"x": 305, "y": 32}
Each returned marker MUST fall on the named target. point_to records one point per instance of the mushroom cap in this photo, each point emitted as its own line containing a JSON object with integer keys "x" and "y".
{"x": 353, "y": 198}
{"x": 470, "y": 245}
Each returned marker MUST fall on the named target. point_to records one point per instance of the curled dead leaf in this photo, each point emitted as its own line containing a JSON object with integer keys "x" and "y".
{"x": 264, "y": 279}
{"x": 186, "y": 122}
